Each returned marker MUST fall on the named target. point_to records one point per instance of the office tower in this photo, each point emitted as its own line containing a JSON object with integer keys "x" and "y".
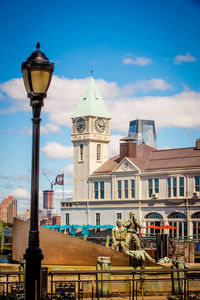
{"x": 143, "y": 130}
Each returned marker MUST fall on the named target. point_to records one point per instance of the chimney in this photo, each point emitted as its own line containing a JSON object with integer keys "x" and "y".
{"x": 127, "y": 147}
{"x": 198, "y": 144}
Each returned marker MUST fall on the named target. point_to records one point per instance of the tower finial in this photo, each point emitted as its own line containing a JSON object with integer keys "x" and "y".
{"x": 38, "y": 46}
{"x": 91, "y": 72}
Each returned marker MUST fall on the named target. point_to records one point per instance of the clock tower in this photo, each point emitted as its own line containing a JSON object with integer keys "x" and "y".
{"x": 90, "y": 138}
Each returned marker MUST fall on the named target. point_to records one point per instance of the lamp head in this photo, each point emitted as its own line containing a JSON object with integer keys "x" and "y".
{"x": 37, "y": 74}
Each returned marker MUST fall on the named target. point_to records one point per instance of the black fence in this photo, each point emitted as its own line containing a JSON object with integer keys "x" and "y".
{"x": 119, "y": 284}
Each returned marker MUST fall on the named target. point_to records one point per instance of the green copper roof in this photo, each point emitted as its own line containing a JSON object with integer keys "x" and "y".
{"x": 91, "y": 104}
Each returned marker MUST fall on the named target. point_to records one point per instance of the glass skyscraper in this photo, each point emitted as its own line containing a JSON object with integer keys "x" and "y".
{"x": 143, "y": 130}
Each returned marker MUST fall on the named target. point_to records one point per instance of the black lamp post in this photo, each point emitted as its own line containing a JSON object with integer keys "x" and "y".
{"x": 37, "y": 74}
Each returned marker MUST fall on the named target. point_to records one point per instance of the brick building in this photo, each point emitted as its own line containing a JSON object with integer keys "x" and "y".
{"x": 8, "y": 209}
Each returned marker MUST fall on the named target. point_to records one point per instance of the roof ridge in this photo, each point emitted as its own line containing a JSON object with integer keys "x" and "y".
{"x": 173, "y": 149}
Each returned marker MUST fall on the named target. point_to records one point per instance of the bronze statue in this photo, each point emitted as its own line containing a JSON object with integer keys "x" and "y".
{"x": 132, "y": 224}
{"x": 139, "y": 258}
{"x": 119, "y": 236}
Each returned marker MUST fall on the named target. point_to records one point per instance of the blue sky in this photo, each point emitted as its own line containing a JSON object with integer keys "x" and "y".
{"x": 145, "y": 56}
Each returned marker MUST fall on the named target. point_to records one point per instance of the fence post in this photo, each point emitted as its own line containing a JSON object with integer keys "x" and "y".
{"x": 189, "y": 253}
{"x": 44, "y": 285}
{"x": 133, "y": 289}
{"x": 103, "y": 263}
{"x": 178, "y": 277}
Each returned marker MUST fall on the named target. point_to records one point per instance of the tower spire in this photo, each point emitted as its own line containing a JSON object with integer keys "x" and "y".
{"x": 91, "y": 103}
{"x": 91, "y": 71}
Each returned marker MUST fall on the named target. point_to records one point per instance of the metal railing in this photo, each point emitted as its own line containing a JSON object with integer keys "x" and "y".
{"x": 93, "y": 284}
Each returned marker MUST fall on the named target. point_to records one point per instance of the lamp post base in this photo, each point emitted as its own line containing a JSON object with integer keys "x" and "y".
{"x": 33, "y": 257}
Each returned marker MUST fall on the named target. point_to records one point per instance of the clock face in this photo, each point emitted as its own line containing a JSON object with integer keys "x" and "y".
{"x": 99, "y": 125}
{"x": 80, "y": 125}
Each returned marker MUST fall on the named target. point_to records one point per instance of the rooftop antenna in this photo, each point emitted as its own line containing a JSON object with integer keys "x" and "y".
{"x": 51, "y": 182}
{"x": 189, "y": 137}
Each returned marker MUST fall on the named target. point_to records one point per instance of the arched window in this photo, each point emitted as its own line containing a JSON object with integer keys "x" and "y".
{"x": 177, "y": 215}
{"x": 98, "y": 152}
{"x": 81, "y": 152}
{"x": 179, "y": 221}
{"x": 196, "y": 225}
{"x": 154, "y": 215}
{"x": 153, "y": 218}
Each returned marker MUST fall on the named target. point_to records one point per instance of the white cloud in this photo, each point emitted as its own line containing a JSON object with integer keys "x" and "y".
{"x": 56, "y": 150}
{"x": 14, "y": 88}
{"x": 146, "y": 85}
{"x": 49, "y": 128}
{"x": 154, "y": 84}
{"x": 68, "y": 171}
{"x": 20, "y": 193}
{"x": 179, "y": 59}
{"x": 21, "y": 178}
{"x": 64, "y": 95}
{"x": 178, "y": 110}
{"x": 26, "y": 130}
{"x": 140, "y": 61}
{"x": 114, "y": 144}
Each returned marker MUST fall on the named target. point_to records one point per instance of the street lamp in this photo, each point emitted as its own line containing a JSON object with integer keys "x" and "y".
{"x": 37, "y": 74}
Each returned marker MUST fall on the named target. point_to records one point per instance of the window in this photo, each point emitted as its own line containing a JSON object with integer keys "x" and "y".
{"x": 179, "y": 221}
{"x": 153, "y": 186}
{"x": 155, "y": 219}
{"x": 102, "y": 189}
{"x": 197, "y": 183}
{"x": 119, "y": 216}
{"x": 96, "y": 190}
{"x": 156, "y": 185}
{"x": 133, "y": 188}
{"x": 169, "y": 186}
{"x": 99, "y": 190}
{"x": 98, "y": 152}
{"x": 119, "y": 185}
{"x": 125, "y": 188}
{"x": 81, "y": 152}
{"x": 67, "y": 219}
{"x": 176, "y": 186}
{"x": 196, "y": 225}
{"x": 150, "y": 187}
{"x": 154, "y": 215}
{"x": 98, "y": 221}
{"x": 181, "y": 186}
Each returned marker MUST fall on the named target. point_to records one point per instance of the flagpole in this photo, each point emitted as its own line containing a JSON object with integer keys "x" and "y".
{"x": 63, "y": 186}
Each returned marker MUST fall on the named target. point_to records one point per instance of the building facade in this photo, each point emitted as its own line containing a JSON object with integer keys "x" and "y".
{"x": 8, "y": 209}
{"x": 161, "y": 186}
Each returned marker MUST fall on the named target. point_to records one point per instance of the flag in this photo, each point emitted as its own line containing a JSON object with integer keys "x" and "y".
{"x": 59, "y": 179}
